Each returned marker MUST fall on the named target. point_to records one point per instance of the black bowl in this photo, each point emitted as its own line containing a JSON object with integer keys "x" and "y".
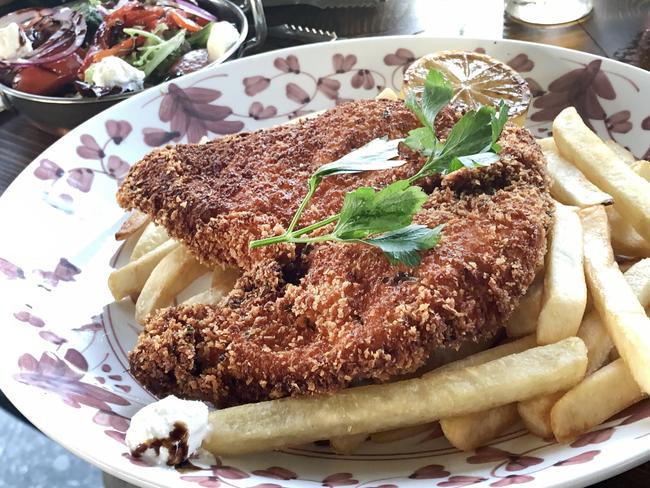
{"x": 57, "y": 115}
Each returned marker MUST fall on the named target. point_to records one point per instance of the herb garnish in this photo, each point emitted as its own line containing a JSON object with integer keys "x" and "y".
{"x": 384, "y": 218}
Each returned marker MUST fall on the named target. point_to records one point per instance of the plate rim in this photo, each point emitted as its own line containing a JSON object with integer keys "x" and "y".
{"x": 12, "y": 191}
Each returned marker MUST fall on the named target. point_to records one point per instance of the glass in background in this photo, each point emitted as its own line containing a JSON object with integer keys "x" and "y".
{"x": 548, "y": 12}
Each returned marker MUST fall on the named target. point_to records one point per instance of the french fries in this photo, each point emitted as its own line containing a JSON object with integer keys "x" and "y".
{"x": 497, "y": 352}
{"x": 604, "y": 168}
{"x": 536, "y": 413}
{"x": 570, "y": 186}
{"x": 565, "y": 290}
{"x": 399, "y": 434}
{"x": 387, "y": 94}
{"x": 523, "y": 320}
{"x": 211, "y": 296}
{"x": 623, "y": 315}
{"x": 469, "y": 431}
{"x": 152, "y": 237}
{"x": 291, "y": 421}
{"x": 626, "y": 241}
{"x": 642, "y": 168}
{"x": 592, "y": 330}
{"x": 347, "y": 444}
{"x": 626, "y": 156}
{"x": 129, "y": 280}
{"x": 174, "y": 272}
{"x": 133, "y": 223}
{"x": 594, "y": 400}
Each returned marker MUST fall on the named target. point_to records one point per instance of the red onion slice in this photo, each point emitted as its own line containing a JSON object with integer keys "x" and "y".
{"x": 190, "y": 8}
{"x": 66, "y": 40}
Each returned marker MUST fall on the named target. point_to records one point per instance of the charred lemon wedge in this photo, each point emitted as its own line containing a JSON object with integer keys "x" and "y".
{"x": 478, "y": 79}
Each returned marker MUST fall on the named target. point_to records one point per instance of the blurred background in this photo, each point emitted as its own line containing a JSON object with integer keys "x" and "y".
{"x": 618, "y": 29}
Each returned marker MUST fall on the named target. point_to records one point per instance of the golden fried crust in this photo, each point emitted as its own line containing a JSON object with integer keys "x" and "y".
{"x": 338, "y": 314}
{"x": 217, "y": 197}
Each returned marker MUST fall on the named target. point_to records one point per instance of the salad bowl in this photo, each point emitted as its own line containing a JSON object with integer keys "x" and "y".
{"x": 59, "y": 114}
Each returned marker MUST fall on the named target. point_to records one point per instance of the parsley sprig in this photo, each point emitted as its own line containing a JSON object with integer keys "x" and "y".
{"x": 384, "y": 218}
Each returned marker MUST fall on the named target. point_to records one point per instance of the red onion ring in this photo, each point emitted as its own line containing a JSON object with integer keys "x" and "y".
{"x": 190, "y": 8}
{"x": 66, "y": 40}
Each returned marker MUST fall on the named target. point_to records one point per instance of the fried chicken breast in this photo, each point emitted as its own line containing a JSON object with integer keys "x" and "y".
{"x": 313, "y": 319}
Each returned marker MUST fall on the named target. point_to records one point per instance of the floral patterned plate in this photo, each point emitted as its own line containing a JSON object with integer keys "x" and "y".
{"x": 63, "y": 356}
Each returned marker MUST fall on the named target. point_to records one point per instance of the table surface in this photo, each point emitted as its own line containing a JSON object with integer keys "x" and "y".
{"x": 612, "y": 30}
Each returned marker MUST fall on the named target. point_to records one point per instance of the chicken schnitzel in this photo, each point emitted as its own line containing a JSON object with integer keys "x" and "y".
{"x": 316, "y": 318}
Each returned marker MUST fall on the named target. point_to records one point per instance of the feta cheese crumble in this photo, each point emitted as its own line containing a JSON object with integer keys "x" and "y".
{"x": 112, "y": 71}
{"x": 168, "y": 431}
{"x": 13, "y": 43}
{"x": 222, "y": 35}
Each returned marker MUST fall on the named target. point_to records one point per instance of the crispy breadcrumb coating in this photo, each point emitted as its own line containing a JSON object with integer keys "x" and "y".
{"x": 313, "y": 319}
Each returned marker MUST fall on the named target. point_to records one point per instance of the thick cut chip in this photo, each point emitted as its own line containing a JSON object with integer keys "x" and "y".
{"x": 570, "y": 186}
{"x": 565, "y": 289}
{"x": 623, "y": 315}
{"x": 273, "y": 424}
{"x": 604, "y": 168}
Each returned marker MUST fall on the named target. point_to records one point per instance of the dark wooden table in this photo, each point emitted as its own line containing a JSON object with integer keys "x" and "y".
{"x": 613, "y": 30}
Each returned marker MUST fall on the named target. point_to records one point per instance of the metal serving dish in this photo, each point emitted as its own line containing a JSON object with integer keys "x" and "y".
{"x": 57, "y": 115}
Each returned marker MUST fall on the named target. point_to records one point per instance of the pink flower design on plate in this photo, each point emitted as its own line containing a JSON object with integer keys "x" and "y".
{"x": 118, "y": 130}
{"x": 343, "y": 64}
{"x": 89, "y": 148}
{"x": 363, "y": 78}
{"x": 515, "y": 462}
{"x": 619, "y": 122}
{"x": 290, "y": 64}
{"x": 52, "y": 374}
{"x": 513, "y": 479}
{"x": 431, "y": 471}
{"x": 117, "y": 167}
{"x": 48, "y": 170}
{"x": 384, "y": 486}
{"x": 52, "y": 337}
{"x": 522, "y": 63}
{"x": 579, "y": 88}
{"x": 81, "y": 178}
{"x": 25, "y": 316}
{"x": 205, "y": 481}
{"x": 339, "y": 479}
{"x": 584, "y": 457}
{"x": 297, "y": 94}
{"x": 329, "y": 87}
{"x": 229, "y": 472}
{"x": 461, "y": 480}
{"x": 64, "y": 271}
{"x": 158, "y": 137}
{"x": 402, "y": 57}
{"x": 276, "y": 472}
{"x": 77, "y": 359}
{"x": 259, "y": 112}
{"x": 594, "y": 437}
{"x": 645, "y": 123}
{"x": 10, "y": 270}
{"x": 191, "y": 114}
{"x": 255, "y": 84}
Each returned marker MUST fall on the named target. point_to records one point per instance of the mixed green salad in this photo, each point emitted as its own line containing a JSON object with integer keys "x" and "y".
{"x": 97, "y": 48}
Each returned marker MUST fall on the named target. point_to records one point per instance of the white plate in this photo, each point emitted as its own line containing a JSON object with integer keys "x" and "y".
{"x": 63, "y": 354}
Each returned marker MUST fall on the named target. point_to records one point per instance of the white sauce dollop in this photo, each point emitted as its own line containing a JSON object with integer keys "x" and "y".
{"x": 152, "y": 429}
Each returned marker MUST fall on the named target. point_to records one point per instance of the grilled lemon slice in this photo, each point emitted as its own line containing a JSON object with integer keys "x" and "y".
{"x": 478, "y": 79}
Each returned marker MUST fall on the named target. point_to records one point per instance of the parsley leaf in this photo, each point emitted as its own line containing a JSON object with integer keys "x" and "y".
{"x": 366, "y": 211}
{"x": 421, "y": 140}
{"x": 402, "y": 245}
{"x": 377, "y": 154}
{"x": 384, "y": 218}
